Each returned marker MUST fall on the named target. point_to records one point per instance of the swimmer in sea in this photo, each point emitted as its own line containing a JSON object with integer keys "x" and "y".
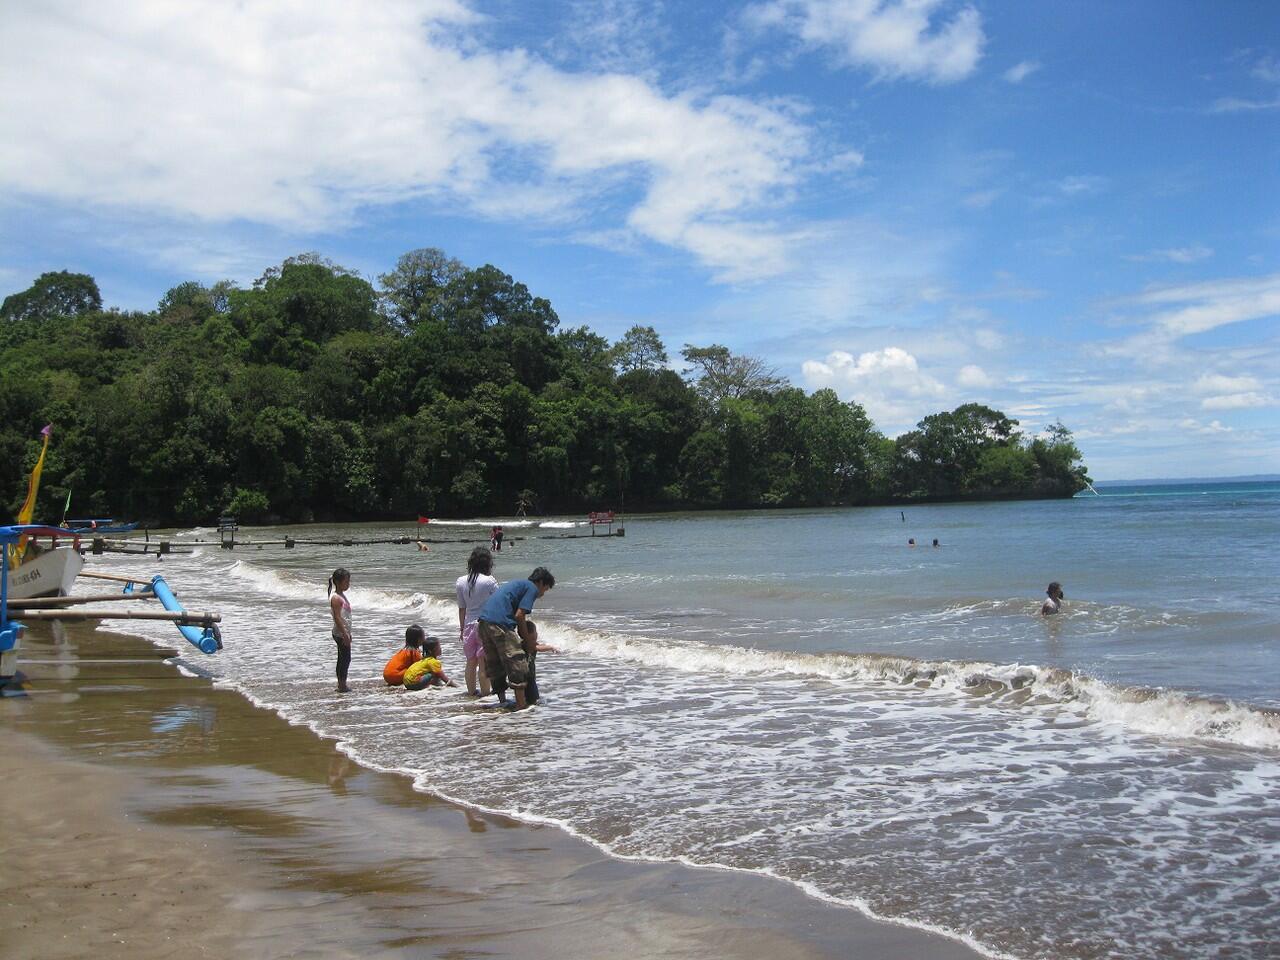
{"x": 1053, "y": 599}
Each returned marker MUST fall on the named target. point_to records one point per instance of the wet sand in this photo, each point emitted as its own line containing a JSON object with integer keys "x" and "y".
{"x": 149, "y": 815}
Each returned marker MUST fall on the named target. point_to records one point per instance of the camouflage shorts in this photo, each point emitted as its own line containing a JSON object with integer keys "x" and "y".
{"x": 503, "y": 654}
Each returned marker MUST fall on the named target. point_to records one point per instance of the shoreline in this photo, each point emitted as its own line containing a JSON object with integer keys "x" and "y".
{"x": 158, "y": 779}
{"x": 648, "y": 510}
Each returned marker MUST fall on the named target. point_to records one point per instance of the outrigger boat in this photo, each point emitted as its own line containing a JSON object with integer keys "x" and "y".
{"x": 199, "y": 629}
{"x": 50, "y": 571}
{"x": 42, "y": 579}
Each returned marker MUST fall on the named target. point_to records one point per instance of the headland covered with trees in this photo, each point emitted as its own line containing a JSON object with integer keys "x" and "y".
{"x": 442, "y": 390}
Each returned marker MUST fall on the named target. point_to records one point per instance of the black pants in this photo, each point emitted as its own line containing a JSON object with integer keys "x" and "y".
{"x": 344, "y": 660}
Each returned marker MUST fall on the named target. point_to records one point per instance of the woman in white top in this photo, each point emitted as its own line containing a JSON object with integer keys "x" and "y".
{"x": 473, "y": 590}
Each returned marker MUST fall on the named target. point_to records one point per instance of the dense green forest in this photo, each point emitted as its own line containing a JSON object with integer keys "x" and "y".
{"x": 441, "y": 390}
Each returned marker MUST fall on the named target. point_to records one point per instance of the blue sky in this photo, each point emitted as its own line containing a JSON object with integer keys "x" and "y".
{"x": 1065, "y": 210}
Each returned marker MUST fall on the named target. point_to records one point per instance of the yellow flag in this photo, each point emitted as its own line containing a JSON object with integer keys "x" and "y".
{"x": 33, "y": 486}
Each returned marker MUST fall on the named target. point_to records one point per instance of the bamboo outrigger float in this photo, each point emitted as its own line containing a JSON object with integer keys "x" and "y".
{"x": 199, "y": 629}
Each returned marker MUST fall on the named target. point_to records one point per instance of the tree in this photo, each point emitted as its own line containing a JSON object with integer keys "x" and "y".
{"x": 941, "y": 457}
{"x": 450, "y": 391}
{"x": 410, "y": 291}
{"x": 1057, "y": 461}
{"x": 719, "y": 374}
{"x": 639, "y": 349}
{"x": 60, "y": 294}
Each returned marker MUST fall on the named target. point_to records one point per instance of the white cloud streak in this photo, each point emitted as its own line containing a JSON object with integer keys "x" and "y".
{"x": 299, "y": 114}
{"x": 1241, "y": 105}
{"x": 1020, "y": 72}
{"x": 1189, "y": 254}
{"x": 896, "y": 39}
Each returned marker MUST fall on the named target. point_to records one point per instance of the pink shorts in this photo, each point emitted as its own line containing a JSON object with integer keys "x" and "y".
{"x": 471, "y": 645}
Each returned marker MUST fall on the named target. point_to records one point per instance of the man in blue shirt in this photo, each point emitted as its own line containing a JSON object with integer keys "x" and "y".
{"x": 503, "y": 631}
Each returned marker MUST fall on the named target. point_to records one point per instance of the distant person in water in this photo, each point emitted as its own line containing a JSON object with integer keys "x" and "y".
{"x": 340, "y": 610}
{"x": 936, "y": 543}
{"x": 911, "y": 542}
{"x": 1053, "y": 599}
{"x": 503, "y": 631}
{"x": 495, "y": 542}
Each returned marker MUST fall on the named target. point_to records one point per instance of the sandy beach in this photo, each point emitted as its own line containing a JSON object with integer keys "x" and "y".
{"x": 150, "y": 815}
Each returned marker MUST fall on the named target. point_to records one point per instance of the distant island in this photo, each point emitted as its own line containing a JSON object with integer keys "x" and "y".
{"x": 444, "y": 390}
{"x": 1150, "y": 482}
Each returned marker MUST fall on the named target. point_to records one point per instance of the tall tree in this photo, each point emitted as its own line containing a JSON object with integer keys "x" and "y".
{"x": 639, "y": 349}
{"x": 720, "y": 375}
{"x": 60, "y": 294}
{"x": 411, "y": 290}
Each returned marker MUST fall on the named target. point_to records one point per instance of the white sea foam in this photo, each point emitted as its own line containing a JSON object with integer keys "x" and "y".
{"x": 480, "y": 523}
{"x": 1148, "y": 711}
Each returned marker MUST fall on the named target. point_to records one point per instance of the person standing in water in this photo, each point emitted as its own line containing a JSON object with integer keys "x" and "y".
{"x": 503, "y": 631}
{"x": 340, "y": 610}
{"x": 474, "y": 589}
{"x": 1053, "y": 599}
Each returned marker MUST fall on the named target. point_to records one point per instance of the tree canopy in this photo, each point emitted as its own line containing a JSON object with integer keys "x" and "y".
{"x": 445, "y": 389}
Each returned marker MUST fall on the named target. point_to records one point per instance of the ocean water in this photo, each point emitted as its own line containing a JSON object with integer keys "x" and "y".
{"x": 802, "y": 694}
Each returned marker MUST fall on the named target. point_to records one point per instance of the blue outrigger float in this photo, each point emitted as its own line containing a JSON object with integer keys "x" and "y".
{"x": 199, "y": 629}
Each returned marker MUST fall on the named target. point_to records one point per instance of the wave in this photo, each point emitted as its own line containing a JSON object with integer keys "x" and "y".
{"x": 291, "y": 587}
{"x": 1145, "y": 710}
{"x": 1148, "y": 711}
{"x": 481, "y": 523}
{"x": 562, "y": 524}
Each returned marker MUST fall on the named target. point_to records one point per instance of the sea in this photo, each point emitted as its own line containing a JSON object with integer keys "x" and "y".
{"x": 802, "y": 694}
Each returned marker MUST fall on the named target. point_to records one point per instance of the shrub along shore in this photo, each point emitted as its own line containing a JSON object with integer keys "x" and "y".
{"x": 318, "y": 395}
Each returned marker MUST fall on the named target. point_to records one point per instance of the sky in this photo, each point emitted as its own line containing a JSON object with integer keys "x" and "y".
{"x": 1067, "y": 211}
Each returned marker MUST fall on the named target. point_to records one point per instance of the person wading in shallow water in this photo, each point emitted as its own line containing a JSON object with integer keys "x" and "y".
{"x": 503, "y": 632}
{"x": 1053, "y": 599}
{"x": 340, "y": 610}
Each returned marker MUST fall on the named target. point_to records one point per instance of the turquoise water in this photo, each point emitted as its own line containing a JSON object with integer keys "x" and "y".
{"x": 895, "y": 729}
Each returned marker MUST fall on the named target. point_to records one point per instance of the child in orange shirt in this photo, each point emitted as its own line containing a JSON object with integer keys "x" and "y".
{"x": 393, "y": 672}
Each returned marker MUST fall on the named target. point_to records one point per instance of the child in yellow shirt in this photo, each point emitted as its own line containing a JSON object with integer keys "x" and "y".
{"x": 427, "y": 672}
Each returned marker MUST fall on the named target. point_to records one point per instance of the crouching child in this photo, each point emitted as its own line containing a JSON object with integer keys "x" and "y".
{"x": 427, "y": 672}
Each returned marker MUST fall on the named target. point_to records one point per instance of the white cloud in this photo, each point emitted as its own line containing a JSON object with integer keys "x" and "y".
{"x": 1195, "y": 426}
{"x": 1267, "y": 69}
{"x": 1221, "y": 392}
{"x": 1189, "y": 309}
{"x": 1220, "y": 383}
{"x": 1205, "y": 306}
{"x": 299, "y": 115}
{"x": 888, "y": 383}
{"x": 1190, "y": 254}
{"x": 988, "y": 339}
{"x": 894, "y": 38}
{"x": 1079, "y": 185}
{"x": 972, "y": 375}
{"x": 614, "y": 36}
{"x": 1020, "y": 72}
{"x": 981, "y": 199}
{"x": 1241, "y": 105}
{"x": 1235, "y": 401}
